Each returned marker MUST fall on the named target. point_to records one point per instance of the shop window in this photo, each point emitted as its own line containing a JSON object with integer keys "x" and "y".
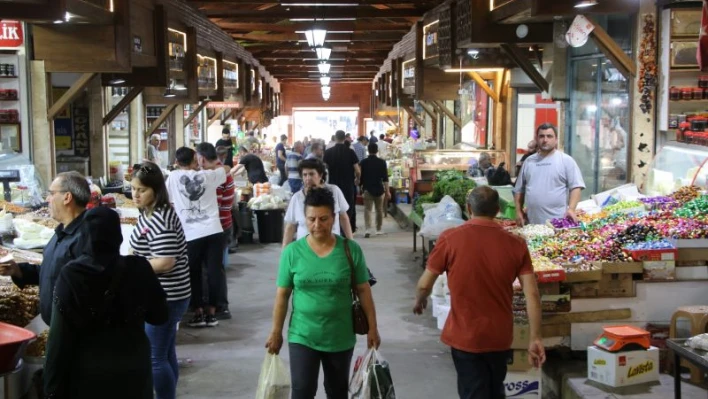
{"x": 531, "y": 111}
{"x": 598, "y": 119}
{"x": 475, "y": 109}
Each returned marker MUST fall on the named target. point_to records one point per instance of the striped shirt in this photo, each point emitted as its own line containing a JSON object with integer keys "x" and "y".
{"x": 225, "y": 195}
{"x": 161, "y": 236}
{"x": 360, "y": 150}
{"x": 291, "y": 165}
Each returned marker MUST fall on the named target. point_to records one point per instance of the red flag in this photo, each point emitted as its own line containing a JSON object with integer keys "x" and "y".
{"x": 702, "y": 55}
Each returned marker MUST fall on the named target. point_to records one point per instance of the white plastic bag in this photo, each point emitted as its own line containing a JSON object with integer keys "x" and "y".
{"x": 372, "y": 378}
{"x": 440, "y": 217}
{"x": 274, "y": 381}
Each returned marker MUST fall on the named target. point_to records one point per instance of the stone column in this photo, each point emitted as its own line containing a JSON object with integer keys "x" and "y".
{"x": 43, "y": 150}
{"x": 99, "y": 137}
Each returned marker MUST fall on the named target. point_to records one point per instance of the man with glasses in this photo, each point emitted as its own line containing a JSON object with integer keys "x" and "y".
{"x": 67, "y": 197}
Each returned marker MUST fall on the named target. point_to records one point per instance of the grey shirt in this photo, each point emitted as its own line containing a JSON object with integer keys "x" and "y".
{"x": 546, "y": 184}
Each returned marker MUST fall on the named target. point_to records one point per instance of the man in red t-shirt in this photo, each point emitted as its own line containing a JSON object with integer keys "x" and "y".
{"x": 482, "y": 260}
{"x": 208, "y": 159}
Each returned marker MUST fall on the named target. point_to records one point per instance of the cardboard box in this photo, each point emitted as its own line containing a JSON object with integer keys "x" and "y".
{"x": 692, "y": 273}
{"x": 644, "y": 255}
{"x": 585, "y": 290}
{"x": 550, "y": 276}
{"x": 519, "y": 361}
{"x": 575, "y": 276}
{"x": 621, "y": 267}
{"x": 691, "y": 263}
{"x": 523, "y": 385}
{"x": 549, "y": 288}
{"x": 660, "y": 270}
{"x": 688, "y": 254}
{"x": 616, "y": 286}
{"x": 522, "y": 336}
{"x": 619, "y": 369}
{"x": 555, "y": 303}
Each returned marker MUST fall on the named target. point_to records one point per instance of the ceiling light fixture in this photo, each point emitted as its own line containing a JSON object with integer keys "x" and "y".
{"x": 325, "y": 96}
{"x": 315, "y": 37}
{"x": 323, "y": 53}
{"x": 325, "y": 80}
{"x": 324, "y": 68}
{"x": 326, "y": 90}
{"x": 585, "y": 3}
{"x": 116, "y": 81}
{"x": 319, "y": 4}
{"x": 169, "y": 93}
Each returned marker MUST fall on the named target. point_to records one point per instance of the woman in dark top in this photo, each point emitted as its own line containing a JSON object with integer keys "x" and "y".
{"x": 253, "y": 166}
{"x": 97, "y": 347}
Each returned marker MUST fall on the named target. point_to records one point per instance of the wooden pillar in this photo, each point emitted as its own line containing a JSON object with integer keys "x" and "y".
{"x": 43, "y": 149}
{"x": 98, "y": 145}
{"x": 643, "y": 132}
{"x": 137, "y": 127}
{"x": 180, "y": 137}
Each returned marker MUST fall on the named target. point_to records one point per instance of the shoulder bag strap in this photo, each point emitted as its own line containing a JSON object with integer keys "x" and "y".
{"x": 350, "y": 260}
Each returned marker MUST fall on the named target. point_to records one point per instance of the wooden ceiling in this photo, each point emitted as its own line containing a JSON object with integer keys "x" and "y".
{"x": 360, "y": 32}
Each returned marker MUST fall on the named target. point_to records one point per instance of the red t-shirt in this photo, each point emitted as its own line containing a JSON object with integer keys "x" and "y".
{"x": 225, "y": 194}
{"x": 482, "y": 260}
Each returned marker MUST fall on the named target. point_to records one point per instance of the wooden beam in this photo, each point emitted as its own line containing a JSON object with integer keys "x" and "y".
{"x": 216, "y": 117}
{"x": 201, "y": 3}
{"x": 483, "y": 84}
{"x": 297, "y": 37}
{"x": 415, "y": 117}
{"x": 429, "y": 110}
{"x": 91, "y": 12}
{"x": 356, "y": 26}
{"x": 613, "y": 52}
{"x": 302, "y": 12}
{"x": 587, "y": 317}
{"x": 122, "y": 104}
{"x": 449, "y": 113}
{"x": 74, "y": 91}
{"x": 160, "y": 119}
{"x": 392, "y": 122}
{"x": 194, "y": 113}
{"x": 522, "y": 60}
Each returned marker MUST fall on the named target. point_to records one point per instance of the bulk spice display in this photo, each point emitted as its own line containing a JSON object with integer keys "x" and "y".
{"x": 647, "y": 60}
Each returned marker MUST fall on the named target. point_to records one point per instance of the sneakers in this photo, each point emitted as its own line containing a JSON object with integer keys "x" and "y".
{"x": 367, "y": 235}
{"x": 197, "y": 321}
{"x": 223, "y": 314}
{"x": 211, "y": 321}
{"x": 379, "y": 233}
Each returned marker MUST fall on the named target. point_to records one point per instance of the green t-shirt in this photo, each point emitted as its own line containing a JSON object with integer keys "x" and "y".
{"x": 321, "y": 318}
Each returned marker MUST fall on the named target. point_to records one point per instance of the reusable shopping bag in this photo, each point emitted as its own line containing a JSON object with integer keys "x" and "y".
{"x": 274, "y": 381}
{"x": 372, "y": 377}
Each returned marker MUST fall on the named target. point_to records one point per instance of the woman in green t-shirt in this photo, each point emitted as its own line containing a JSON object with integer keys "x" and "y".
{"x": 315, "y": 270}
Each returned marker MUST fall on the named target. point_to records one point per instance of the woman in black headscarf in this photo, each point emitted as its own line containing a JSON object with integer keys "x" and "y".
{"x": 97, "y": 347}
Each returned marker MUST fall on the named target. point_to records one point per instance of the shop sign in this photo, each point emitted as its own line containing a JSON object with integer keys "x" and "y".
{"x": 408, "y": 73}
{"x": 81, "y": 132}
{"x": 430, "y": 40}
{"x": 224, "y": 104}
{"x": 11, "y": 34}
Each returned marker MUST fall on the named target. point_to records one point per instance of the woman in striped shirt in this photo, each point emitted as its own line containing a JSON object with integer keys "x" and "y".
{"x": 159, "y": 237}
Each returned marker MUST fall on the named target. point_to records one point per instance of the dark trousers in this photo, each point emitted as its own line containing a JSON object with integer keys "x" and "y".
{"x": 206, "y": 262}
{"x": 480, "y": 375}
{"x": 283, "y": 174}
{"x": 305, "y": 372}
{"x": 350, "y": 195}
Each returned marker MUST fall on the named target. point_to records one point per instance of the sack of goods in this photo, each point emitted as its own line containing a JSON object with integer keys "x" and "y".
{"x": 274, "y": 381}
{"x": 372, "y": 378}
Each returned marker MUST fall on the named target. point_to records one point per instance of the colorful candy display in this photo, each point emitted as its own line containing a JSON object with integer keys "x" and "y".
{"x": 686, "y": 194}
{"x": 564, "y": 223}
{"x": 693, "y": 208}
{"x": 624, "y": 206}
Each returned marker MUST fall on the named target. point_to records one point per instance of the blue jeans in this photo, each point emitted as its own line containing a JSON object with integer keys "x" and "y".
{"x": 480, "y": 375}
{"x": 165, "y": 370}
{"x": 295, "y": 185}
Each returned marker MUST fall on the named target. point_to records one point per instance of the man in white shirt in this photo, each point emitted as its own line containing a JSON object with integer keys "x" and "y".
{"x": 383, "y": 146}
{"x": 193, "y": 196}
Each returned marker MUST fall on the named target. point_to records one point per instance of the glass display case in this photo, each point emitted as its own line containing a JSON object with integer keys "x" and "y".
{"x": 677, "y": 165}
{"x": 428, "y": 162}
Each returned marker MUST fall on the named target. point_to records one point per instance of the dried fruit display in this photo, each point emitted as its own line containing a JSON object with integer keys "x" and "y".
{"x": 38, "y": 347}
{"x": 18, "y": 306}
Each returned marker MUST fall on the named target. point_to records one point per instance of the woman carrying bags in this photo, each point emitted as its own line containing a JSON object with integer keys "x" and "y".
{"x": 158, "y": 236}
{"x": 316, "y": 271}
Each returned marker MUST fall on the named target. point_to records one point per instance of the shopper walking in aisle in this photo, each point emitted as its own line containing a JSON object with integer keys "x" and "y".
{"x": 225, "y": 141}
{"x": 383, "y": 147}
{"x": 550, "y": 182}
{"x": 225, "y": 193}
{"x": 281, "y": 158}
{"x": 344, "y": 172}
{"x": 67, "y": 196}
{"x": 316, "y": 271}
{"x": 374, "y": 186}
{"x": 293, "y": 159}
{"x": 360, "y": 147}
{"x": 97, "y": 347}
{"x": 153, "y": 152}
{"x": 332, "y": 142}
{"x": 372, "y": 137}
{"x": 159, "y": 237}
{"x": 252, "y": 165}
{"x": 316, "y": 151}
{"x": 236, "y": 229}
{"x": 193, "y": 195}
{"x": 314, "y": 176}
{"x": 482, "y": 260}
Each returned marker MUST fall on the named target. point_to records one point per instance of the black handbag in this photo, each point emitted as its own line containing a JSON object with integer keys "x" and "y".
{"x": 360, "y": 322}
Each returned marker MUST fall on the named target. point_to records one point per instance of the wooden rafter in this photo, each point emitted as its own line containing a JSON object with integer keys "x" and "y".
{"x": 613, "y": 52}
{"x": 441, "y": 107}
{"x": 216, "y": 116}
{"x": 124, "y": 102}
{"x": 413, "y": 115}
{"x": 194, "y": 113}
{"x": 160, "y": 119}
{"x": 483, "y": 84}
{"x": 70, "y": 95}
{"x": 429, "y": 110}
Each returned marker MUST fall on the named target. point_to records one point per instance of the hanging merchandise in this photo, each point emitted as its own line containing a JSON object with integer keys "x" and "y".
{"x": 372, "y": 377}
{"x": 702, "y": 55}
{"x": 579, "y": 31}
{"x": 647, "y": 61}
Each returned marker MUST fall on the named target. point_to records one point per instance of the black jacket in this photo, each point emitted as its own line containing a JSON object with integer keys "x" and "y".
{"x": 374, "y": 174}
